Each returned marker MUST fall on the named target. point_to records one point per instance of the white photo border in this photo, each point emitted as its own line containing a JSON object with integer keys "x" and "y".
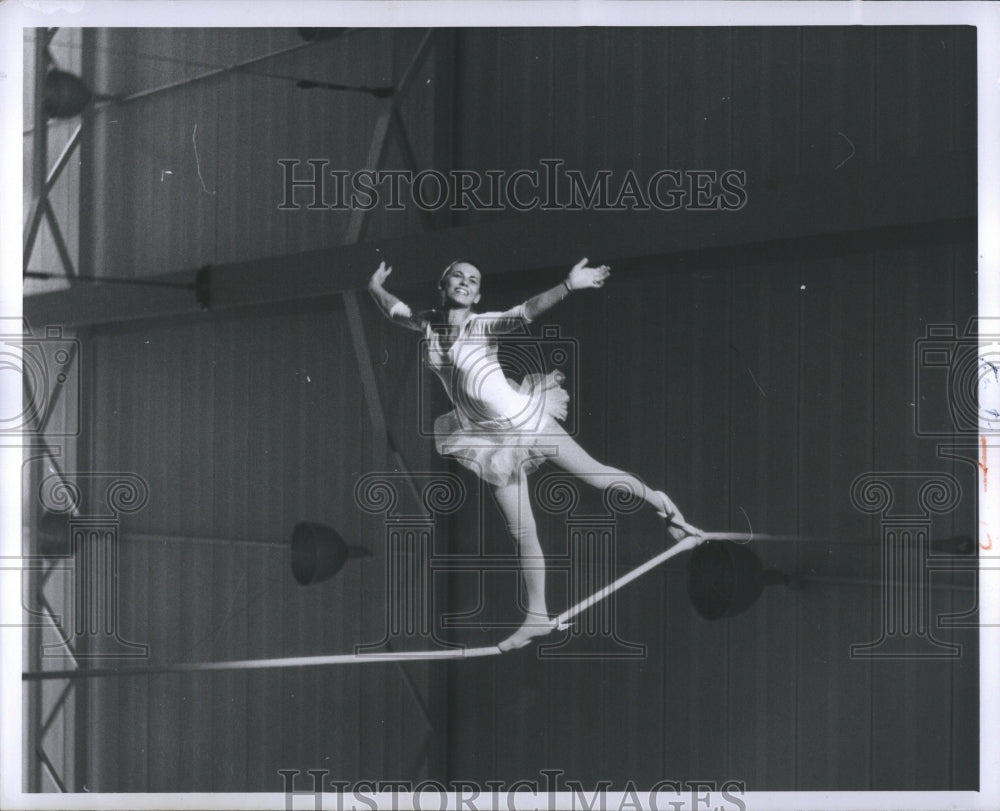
{"x": 15, "y": 17}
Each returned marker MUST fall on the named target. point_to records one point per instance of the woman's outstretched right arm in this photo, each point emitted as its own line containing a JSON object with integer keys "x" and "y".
{"x": 391, "y": 307}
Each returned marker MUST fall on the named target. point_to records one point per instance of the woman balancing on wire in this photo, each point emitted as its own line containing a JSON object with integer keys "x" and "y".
{"x": 503, "y": 431}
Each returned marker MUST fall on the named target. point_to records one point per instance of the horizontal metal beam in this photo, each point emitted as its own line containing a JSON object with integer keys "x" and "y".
{"x": 841, "y": 207}
{"x": 213, "y": 71}
{"x": 211, "y": 74}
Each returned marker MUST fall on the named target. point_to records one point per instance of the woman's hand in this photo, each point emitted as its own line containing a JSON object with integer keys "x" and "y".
{"x": 583, "y": 276}
{"x": 379, "y": 276}
{"x": 580, "y": 277}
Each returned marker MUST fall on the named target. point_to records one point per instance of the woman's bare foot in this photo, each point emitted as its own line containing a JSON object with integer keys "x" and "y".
{"x": 533, "y": 625}
{"x": 679, "y": 528}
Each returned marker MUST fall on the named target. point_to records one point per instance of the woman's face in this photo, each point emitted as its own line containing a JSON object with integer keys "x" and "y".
{"x": 460, "y": 285}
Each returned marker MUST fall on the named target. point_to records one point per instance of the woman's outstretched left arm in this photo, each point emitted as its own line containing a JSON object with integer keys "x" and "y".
{"x": 581, "y": 277}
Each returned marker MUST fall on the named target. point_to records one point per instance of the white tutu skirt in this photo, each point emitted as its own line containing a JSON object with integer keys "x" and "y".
{"x": 498, "y": 450}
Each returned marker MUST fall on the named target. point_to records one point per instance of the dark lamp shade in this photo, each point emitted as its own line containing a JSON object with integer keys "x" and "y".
{"x": 65, "y": 95}
{"x": 318, "y": 553}
{"x": 726, "y": 578}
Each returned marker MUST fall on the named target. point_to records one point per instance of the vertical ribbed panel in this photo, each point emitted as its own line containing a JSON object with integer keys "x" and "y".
{"x": 756, "y": 396}
{"x": 200, "y": 160}
{"x": 834, "y": 433}
{"x": 840, "y": 119}
{"x": 241, "y": 428}
{"x": 782, "y": 383}
{"x": 766, "y": 102}
{"x": 912, "y": 289}
{"x": 697, "y": 363}
{"x": 965, "y": 728}
{"x": 764, "y": 357}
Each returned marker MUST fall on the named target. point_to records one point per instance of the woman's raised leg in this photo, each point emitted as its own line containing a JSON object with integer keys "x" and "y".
{"x": 574, "y": 459}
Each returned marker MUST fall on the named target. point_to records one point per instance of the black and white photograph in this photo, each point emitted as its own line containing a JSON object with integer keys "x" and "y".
{"x": 502, "y": 406}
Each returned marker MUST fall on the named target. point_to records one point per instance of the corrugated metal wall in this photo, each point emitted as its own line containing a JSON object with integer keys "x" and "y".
{"x": 756, "y": 397}
{"x": 772, "y": 102}
{"x": 242, "y": 428}
{"x": 755, "y": 393}
{"x": 201, "y": 160}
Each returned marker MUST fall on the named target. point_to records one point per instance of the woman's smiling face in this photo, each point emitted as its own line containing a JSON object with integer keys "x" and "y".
{"x": 461, "y": 284}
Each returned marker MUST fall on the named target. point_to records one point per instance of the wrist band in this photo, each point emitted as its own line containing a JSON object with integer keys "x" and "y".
{"x": 400, "y": 309}
{"x": 568, "y": 288}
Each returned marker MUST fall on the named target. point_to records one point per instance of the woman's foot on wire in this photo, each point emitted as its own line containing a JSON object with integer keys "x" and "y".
{"x": 681, "y": 530}
{"x": 678, "y": 527}
{"x": 534, "y": 625}
{"x": 665, "y": 508}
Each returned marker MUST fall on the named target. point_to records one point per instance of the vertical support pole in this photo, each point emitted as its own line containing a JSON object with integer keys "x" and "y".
{"x": 39, "y": 147}
{"x": 83, "y": 756}
{"x": 40, "y": 135}
{"x": 92, "y": 160}
{"x": 31, "y": 653}
{"x": 444, "y": 160}
{"x": 39, "y": 168}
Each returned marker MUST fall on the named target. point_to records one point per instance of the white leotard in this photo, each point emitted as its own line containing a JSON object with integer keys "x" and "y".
{"x": 470, "y": 371}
